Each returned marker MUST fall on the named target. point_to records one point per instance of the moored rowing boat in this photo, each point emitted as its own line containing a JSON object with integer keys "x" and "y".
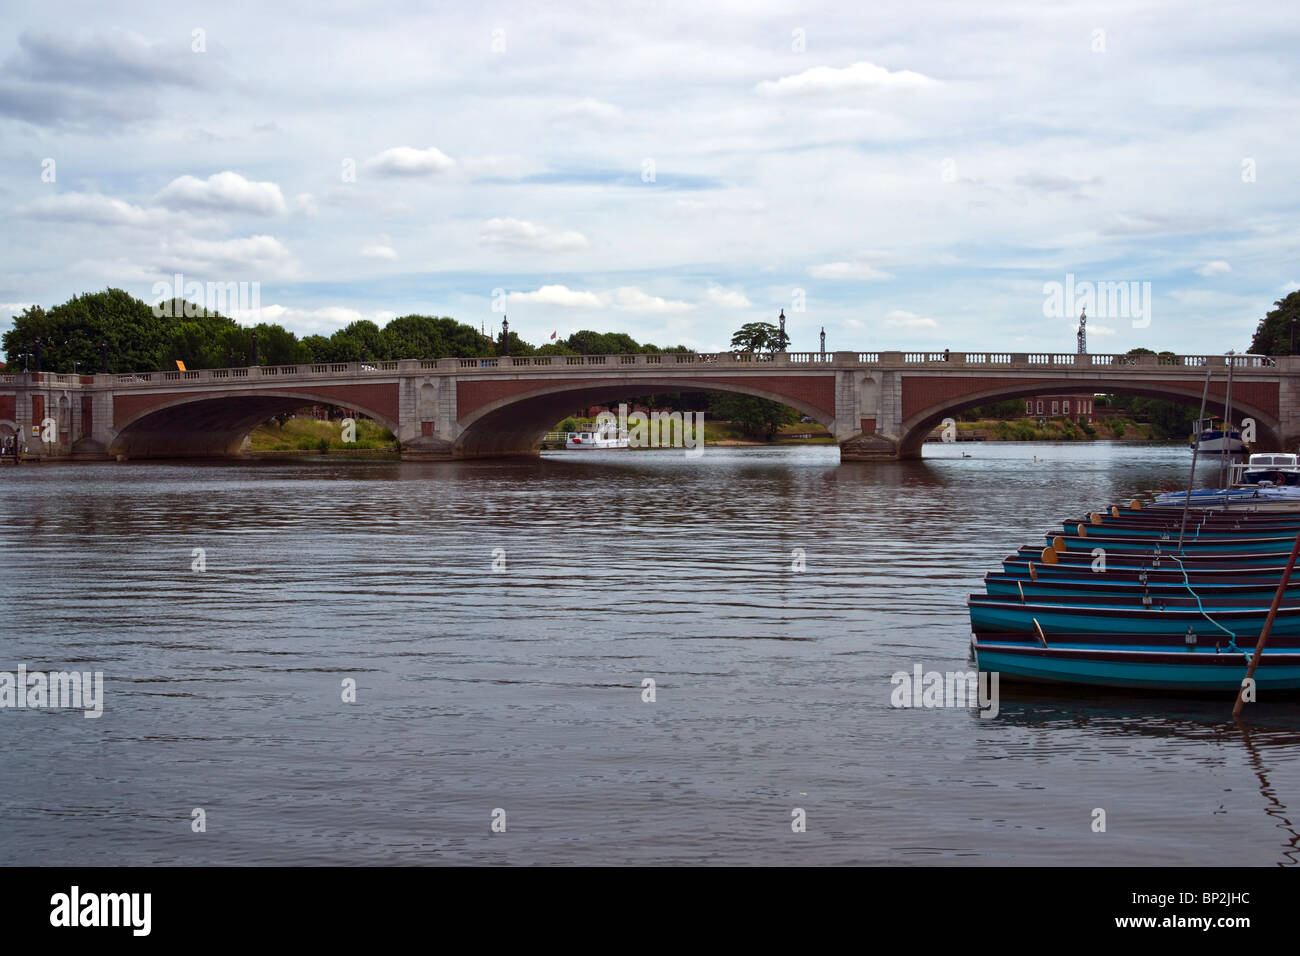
{"x": 1118, "y": 600}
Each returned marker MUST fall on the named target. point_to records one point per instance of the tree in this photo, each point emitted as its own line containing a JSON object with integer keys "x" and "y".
{"x": 759, "y": 337}
{"x": 587, "y": 342}
{"x": 1273, "y": 334}
{"x": 759, "y": 417}
{"x": 415, "y": 337}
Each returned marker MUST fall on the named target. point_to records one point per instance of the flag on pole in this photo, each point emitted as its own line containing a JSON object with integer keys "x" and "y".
{"x": 553, "y": 336}
{"x": 181, "y": 366}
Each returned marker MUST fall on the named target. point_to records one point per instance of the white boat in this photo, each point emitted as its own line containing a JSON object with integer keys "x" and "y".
{"x": 1212, "y": 440}
{"x": 597, "y": 437}
{"x": 1275, "y": 469}
{"x": 1210, "y": 497}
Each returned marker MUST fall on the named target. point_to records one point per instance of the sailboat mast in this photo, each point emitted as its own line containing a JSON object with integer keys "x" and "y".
{"x": 1196, "y": 447}
{"x": 1225, "y": 469}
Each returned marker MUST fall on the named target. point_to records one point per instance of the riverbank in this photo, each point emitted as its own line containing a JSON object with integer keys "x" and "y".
{"x": 1053, "y": 430}
{"x": 302, "y": 435}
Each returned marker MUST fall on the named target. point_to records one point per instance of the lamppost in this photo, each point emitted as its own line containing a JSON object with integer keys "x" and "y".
{"x": 1292, "y": 352}
{"x": 103, "y": 357}
{"x": 823, "y": 340}
{"x": 780, "y": 338}
{"x": 254, "y": 346}
{"x": 505, "y": 335}
{"x": 38, "y": 356}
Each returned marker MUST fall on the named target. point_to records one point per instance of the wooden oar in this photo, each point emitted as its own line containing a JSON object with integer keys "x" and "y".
{"x": 1268, "y": 626}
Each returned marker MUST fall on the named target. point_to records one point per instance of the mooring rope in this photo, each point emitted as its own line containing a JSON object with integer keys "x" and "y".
{"x": 1232, "y": 638}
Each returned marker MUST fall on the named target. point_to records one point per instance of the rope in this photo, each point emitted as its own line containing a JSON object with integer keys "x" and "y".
{"x": 1232, "y": 638}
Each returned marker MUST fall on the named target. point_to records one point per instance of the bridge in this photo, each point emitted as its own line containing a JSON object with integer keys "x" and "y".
{"x": 877, "y": 405}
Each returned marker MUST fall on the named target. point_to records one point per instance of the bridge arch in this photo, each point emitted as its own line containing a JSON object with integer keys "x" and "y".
{"x": 215, "y": 425}
{"x": 515, "y": 424}
{"x": 917, "y": 426}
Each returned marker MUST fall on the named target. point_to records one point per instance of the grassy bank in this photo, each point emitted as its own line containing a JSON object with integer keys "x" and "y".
{"x": 312, "y": 434}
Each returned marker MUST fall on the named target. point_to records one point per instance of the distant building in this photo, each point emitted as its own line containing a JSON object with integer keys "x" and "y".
{"x": 1077, "y": 408}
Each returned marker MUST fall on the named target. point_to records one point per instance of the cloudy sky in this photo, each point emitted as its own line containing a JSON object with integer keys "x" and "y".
{"x": 908, "y": 175}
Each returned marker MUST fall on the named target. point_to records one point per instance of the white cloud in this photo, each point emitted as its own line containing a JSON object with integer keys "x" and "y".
{"x": 558, "y": 295}
{"x": 726, "y": 298}
{"x": 848, "y": 270}
{"x": 407, "y": 161}
{"x": 902, "y": 319}
{"x": 227, "y": 191}
{"x": 1216, "y": 268}
{"x": 632, "y": 299}
{"x": 87, "y": 207}
{"x": 859, "y": 76}
{"x": 623, "y": 299}
{"x": 322, "y": 321}
{"x": 379, "y": 252}
{"x": 520, "y": 234}
{"x": 9, "y": 309}
{"x": 590, "y": 111}
{"x": 249, "y": 258}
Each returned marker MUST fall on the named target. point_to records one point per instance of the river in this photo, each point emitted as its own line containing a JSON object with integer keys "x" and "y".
{"x": 515, "y": 694}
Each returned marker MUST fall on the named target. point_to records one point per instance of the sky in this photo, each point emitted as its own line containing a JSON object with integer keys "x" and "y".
{"x": 906, "y": 175}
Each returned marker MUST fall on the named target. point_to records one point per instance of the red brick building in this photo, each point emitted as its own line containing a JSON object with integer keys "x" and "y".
{"x": 1077, "y": 408}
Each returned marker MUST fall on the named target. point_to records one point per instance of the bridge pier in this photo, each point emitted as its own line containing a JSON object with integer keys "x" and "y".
{"x": 870, "y": 448}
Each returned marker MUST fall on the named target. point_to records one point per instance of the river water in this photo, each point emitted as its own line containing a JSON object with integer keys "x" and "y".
{"x": 517, "y": 693}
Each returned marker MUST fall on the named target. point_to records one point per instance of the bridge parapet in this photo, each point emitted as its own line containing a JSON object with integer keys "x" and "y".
{"x": 680, "y": 361}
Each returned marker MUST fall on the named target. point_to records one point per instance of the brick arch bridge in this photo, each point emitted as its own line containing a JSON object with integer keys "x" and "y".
{"x": 926, "y": 404}
{"x": 876, "y": 405}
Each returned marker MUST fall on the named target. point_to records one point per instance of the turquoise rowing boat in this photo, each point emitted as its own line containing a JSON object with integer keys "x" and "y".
{"x": 1077, "y": 660}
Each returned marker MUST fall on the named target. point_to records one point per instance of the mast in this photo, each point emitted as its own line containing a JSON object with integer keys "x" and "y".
{"x": 1226, "y": 470}
{"x": 1196, "y": 447}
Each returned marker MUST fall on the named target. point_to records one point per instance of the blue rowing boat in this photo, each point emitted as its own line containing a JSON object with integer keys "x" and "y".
{"x": 1134, "y": 661}
{"x": 1022, "y": 587}
{"x": 1117, "y": 600}
{"x": 1101, "y": 616}
{"x": 1264, "y": 544}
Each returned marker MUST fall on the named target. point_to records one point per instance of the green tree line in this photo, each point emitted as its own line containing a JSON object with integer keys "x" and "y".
{"x": 138, "y": 339}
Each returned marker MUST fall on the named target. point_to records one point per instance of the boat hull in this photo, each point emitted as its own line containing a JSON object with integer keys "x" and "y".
{"x": 1136, "y": 668}
{"x": 993, "y": 614}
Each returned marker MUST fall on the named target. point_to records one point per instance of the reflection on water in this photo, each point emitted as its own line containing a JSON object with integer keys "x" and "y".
{"x": 522, "y": 688}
